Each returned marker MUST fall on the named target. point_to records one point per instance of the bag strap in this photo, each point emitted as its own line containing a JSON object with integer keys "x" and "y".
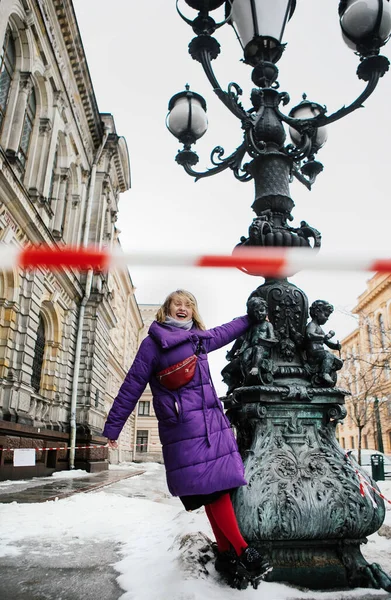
{"x": 200, "y": 348}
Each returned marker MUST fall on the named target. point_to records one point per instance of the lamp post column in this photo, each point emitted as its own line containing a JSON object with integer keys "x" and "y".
{"x": 303, "y": 506}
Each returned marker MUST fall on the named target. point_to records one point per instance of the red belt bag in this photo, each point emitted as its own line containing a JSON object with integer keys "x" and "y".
{"x": 178, "y": 375}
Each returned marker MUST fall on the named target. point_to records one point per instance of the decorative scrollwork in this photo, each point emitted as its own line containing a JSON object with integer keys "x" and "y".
{"x": 254, "y": 148}
{"x": 219, "y": 152}
{"x": 337, "y": 413}
{"x": 309, "y": 125}
{"x": 231, "y": 101}
{"x": 299, "y": 392}
{"x": 233, "y": 161}
{"x": 237, "y": 90}
{"x": 299, "y": 152}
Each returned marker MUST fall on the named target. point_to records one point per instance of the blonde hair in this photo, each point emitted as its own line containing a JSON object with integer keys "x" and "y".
{"x": 164, "y": 310}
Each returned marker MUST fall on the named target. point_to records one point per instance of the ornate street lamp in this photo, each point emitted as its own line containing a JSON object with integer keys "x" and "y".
{"x": 187, "y": 121}
{"x": 365, "y": 28}
{"x": 259, "y": 29}
{"x": 302, "y": 506}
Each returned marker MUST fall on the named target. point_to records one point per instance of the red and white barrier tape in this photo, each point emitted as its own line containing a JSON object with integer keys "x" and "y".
{"x": 68, "y": 447}
{"x": 263, "y": 261}
{"x": 368, "y": 485}
{"x": 55, "y": 448}
{"x": 364, "y": 484}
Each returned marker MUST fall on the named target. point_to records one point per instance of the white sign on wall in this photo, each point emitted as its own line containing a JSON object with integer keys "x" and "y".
{"x": 24, "y": 457}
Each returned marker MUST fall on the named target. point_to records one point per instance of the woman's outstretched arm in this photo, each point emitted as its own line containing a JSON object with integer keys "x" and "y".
{"x": 133, "y": 386}
{"x": 227, "y": 333}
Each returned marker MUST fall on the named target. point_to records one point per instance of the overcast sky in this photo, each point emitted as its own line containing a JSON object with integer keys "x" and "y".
{"x": 138, "y": 58}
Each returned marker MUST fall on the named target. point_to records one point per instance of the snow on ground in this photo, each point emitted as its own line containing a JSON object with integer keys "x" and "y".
{"x": 157, "y": 560}
{"x": 75, "y": 474}
{"x": 13, "y": 486}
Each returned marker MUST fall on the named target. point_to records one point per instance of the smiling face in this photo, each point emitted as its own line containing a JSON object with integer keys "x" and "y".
{"x": 181, "y": 308}
{"x": 180, "y": 305}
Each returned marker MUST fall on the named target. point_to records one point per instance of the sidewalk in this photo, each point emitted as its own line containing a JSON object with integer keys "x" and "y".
{"x": 32, "y": 491}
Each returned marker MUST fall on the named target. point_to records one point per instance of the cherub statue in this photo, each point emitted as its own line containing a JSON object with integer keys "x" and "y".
{"x": 254, "y": 354}
{"x": 232, "y": 374}
{"x": 321, "y": 361}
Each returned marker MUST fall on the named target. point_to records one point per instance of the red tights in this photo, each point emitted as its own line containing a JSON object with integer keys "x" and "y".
{"x": 225, "y": 526}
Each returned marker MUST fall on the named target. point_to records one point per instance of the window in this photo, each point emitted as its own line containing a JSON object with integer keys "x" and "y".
{"x": 369, "y": 334}
{"x": 52, "y": 180}
{"x": 27, "y": 127}
{"x": 142, "y": 441}
{"x": 7, "y": 69}
{"x": 352, "y": 443}
{"x": 343, "y": 442}
{"x": 382, "y": 332}
{"x": 38, "y": 356}
{"x": 144, "y": 408}
{"x": 365, "y": 441}
{"x": 387, "y": 370}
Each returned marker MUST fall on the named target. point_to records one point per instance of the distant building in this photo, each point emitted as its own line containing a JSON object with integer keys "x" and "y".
{"x": 123, "y": 345}
{"x": 147, "y": 446}
{"x": 366, "y": 372}
{"x": 66, "y": 338}
{"x": 139, "y": 440}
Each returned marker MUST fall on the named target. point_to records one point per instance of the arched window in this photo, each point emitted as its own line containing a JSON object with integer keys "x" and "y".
{"x": 28, "y": 124}
{"x": 7, "y": 68}
{"x": 38, "y": 356}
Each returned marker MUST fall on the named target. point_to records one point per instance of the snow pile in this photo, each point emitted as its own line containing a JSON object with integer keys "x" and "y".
{"x": 74, "y": 474}
{"x": 195, "y": 554}
{"x": 166, "y": 553}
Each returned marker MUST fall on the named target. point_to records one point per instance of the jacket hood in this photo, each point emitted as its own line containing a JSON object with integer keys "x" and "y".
{"x": 168, "y": 336}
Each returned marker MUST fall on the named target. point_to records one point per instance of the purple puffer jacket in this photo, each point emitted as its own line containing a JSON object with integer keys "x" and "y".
{"x": 199, "y": 448}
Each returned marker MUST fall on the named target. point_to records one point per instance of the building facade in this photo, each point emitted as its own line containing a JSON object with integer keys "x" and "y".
{"x": 366, "y": 372}
{"x": 147, "y": 446}
{"x": 66, "y": 337}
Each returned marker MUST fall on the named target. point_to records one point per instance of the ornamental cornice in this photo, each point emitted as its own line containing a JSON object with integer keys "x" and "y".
{"x": 348, "y": 339}
{"x": 77, "y": 60}
{"x": 120, "y": 157}
{"x": 371, "y": 295}
{"x": 72, "y": 39}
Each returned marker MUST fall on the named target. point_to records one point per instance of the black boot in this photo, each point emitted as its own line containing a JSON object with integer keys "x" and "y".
{"x": 240, "y": 571}
{"x": 226, "y": 561}
{"x": 251, "y": 565}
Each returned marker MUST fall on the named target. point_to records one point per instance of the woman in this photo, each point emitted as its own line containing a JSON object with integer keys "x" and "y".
{"x": 201, "y": 457}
